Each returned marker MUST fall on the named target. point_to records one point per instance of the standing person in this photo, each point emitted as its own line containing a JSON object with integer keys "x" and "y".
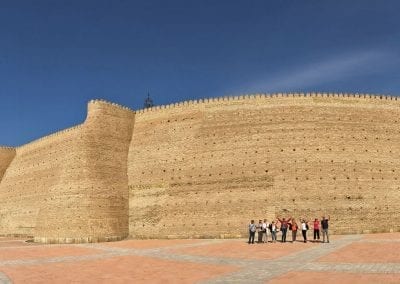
{"x": 264, "y": 228}
{"x": 252, "y": 231}
{"x": 294, "y": 230}
{"x": 304, "y": 228}
{"x": 316, "y": 230}
{"x": 272, "y": 229}
{"x": 260, "y": 232}
{"x": 284, "y": 227}
{"x": 325, "y": 225}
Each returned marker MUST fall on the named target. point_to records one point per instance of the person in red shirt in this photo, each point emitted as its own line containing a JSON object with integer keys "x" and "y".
{"x": 316, "y": 230}
{"x": 284, "y": 227}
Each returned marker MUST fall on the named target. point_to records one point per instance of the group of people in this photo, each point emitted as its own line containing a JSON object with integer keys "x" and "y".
{"x": 263, "y": 228}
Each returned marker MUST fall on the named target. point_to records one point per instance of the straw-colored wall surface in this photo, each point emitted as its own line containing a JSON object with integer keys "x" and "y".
{"x": 71, "y": 186}
{"x": 205, "y": 168}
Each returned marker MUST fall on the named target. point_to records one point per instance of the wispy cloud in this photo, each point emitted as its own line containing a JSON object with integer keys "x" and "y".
{"x": 312, "y": 75}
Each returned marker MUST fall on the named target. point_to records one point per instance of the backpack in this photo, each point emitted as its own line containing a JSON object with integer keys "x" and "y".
{"x": 307, "y": 227}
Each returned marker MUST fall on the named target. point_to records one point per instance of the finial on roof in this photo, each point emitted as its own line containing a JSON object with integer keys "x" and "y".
{"x": 148, "y": 102}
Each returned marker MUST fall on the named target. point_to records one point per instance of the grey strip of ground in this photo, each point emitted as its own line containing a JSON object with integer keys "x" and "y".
{"x": 4, "y": 279}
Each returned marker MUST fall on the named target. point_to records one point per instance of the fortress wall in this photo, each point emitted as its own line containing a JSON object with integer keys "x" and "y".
{"x": 6, "y": 156}
{"x": 203, "y": 169}
{"x": 27, "y": 183}
{"x": 71, "y": 186}
{"x": 90, "y": 202}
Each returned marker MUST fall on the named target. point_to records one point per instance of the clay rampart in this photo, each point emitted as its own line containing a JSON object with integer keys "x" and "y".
{"x": 71, "y": 186}
{"x": 27, "y": 183}
{"x": 204, "y": 168}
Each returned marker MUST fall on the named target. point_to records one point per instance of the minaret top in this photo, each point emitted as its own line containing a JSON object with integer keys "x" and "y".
{"x": 148, "y": 103}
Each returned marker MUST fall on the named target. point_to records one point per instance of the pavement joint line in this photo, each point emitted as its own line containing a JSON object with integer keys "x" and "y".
{"x": 4, "y": 278}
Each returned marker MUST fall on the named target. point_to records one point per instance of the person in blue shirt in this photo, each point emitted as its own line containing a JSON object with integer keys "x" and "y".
{"x": 252, "y": 231}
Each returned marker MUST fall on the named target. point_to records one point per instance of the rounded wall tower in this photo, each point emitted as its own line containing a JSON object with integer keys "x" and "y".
{"x": 89, "y": 203}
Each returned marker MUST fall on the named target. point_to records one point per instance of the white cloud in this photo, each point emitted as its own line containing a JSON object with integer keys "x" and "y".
{"x": 323, "y": 71}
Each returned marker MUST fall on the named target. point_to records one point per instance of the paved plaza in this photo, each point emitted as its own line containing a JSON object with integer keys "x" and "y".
{"x": 371, "y": 258}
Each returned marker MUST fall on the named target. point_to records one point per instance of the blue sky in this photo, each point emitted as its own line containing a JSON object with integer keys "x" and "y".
{"x": 57, "y": 55}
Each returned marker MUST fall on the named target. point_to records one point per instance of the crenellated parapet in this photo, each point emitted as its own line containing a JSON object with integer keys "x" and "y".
{"x": 7, "y": 148}
{"x": 104, "y": 102}
{"x": 48, "y": 139}
{"x": 265, "y": 96}
{"x": 93, "y": 107}
{"x": 100, "y": 109}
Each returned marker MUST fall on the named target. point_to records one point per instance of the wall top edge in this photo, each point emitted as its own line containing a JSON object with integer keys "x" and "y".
{"x": 48, "y": 137}
{"x": 62, "y": 131}
{"x": 7, "y": 148}
{"x": 102, "y": 101}
{"x": 216, "y": 99}
{"x": 272, "y": 96}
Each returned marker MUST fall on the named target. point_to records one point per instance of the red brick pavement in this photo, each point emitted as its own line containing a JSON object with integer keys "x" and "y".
{"x": 125, "y": 269}
{"x": 197, "y": 260}
{"x": 365, "y": 253}
{"x": 143, "y": 244}
{"x": 44, "y": 252}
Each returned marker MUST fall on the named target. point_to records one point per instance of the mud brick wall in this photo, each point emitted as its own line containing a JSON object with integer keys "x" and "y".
{"x": 203, "y": 169}
{"x": 71, "y": 186}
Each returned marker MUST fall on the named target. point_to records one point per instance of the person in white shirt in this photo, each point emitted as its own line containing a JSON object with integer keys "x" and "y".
{"x": 304, "y": 228}
{"x": 264, "y": 229}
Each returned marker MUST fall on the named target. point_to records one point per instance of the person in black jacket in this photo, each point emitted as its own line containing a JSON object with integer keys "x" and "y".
{"x": 325, "y": 226}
